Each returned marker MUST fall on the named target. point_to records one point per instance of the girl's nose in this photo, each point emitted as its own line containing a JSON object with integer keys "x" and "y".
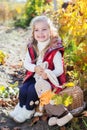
{"x": 40, "y": 32}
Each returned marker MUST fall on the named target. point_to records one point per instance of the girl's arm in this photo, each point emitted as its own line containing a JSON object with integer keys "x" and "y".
{"x": 30, "y": 66}
{"x": 28, "y": 63}
{"x": 58, "y": 64}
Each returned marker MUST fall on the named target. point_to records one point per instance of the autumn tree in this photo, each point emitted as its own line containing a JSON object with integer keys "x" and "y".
{"x": 72, "y": 25}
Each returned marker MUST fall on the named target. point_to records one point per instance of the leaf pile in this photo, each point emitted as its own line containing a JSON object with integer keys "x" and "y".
{"x": 9, "y": 95}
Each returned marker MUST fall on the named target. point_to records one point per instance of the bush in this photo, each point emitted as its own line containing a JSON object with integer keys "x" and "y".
{"x": 32, "y": 9}
{"x": 73, "y": 29}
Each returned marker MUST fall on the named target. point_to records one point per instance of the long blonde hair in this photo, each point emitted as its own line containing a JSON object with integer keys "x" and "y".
{"x": 53, "y": 30}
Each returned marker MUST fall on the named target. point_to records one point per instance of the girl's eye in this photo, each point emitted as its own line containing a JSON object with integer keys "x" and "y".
{"x": 36, "y": 30}
{"x": 44, "y": 29}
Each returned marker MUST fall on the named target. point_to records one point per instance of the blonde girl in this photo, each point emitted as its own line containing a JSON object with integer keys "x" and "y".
{"x": 44, "y": 45}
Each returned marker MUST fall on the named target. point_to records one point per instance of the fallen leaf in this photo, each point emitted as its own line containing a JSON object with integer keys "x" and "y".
{"x": 5, "y": 128}
{"x": 84, "y": 113}
{"x": 44, "y": 117}
{"x": 17, "y": 128}
{"x": 63, "y": 128}
{"x": 34, "y": 120}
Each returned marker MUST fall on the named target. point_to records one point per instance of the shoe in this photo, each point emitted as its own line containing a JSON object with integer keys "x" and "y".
{"x": 52, "y": 121}
{"x": 16, "y": 110}
{"x": 64, "y": 120}
{"x": 24, "y": 115}
{"x": 60, "y": 121}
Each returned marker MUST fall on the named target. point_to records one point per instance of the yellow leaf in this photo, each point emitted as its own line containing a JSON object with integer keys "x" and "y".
{"x": 68, "y": 101}
{"x": 2, "y": 88}
{"x": 14, "y": 85}
{"x": 2, "y": 57}
{"x": 70, "y": 84}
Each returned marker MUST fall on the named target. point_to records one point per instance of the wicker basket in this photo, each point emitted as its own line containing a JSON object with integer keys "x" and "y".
{"x": 77, "y": 94}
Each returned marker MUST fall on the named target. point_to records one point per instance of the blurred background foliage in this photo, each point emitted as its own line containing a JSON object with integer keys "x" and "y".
{"x": 71, "y": 21}
{"x": 32, "y": 9}
{"x": 10, "y": 11}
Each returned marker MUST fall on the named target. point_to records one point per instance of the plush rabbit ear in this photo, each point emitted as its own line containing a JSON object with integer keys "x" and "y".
{"x": 44, "y": 65}
{"x": 51, "y": 76}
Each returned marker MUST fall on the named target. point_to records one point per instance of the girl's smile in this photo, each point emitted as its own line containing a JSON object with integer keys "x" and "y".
{"x": 41, "y": 31}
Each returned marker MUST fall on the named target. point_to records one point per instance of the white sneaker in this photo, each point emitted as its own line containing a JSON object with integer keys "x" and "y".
{"x": 16, "y": 110}
{"x": 24, "y": 115}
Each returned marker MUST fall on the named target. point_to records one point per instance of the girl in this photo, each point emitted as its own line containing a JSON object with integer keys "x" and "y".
{"x": 44, "y": 46}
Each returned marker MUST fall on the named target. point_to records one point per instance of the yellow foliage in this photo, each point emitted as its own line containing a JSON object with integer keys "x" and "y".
{"x": 19, "y": 10}
{"x": 14, "y": 85}
{"x": 74, "y": 19}
{"x": 2, "y": 57}
{"x": 57, "y": 99}
{"x": 72, "y": 27}
{"x": 2, "y": 88}
{"x": 8, "y": 10}
{"x": 68, "y": 101}
{"x": 65, "y": 99}
{"x": 69, "y": 84}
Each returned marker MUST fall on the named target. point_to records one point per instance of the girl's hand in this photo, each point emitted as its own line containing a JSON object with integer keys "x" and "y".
{"x": 38, "y": 70}
{"x": 44, "y": 75}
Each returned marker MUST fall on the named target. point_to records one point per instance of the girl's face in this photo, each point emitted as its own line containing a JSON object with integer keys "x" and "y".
{"x": 41, "y": 31}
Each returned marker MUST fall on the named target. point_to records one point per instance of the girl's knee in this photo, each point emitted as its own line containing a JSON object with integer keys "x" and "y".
{"x": 32, "y": 91}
